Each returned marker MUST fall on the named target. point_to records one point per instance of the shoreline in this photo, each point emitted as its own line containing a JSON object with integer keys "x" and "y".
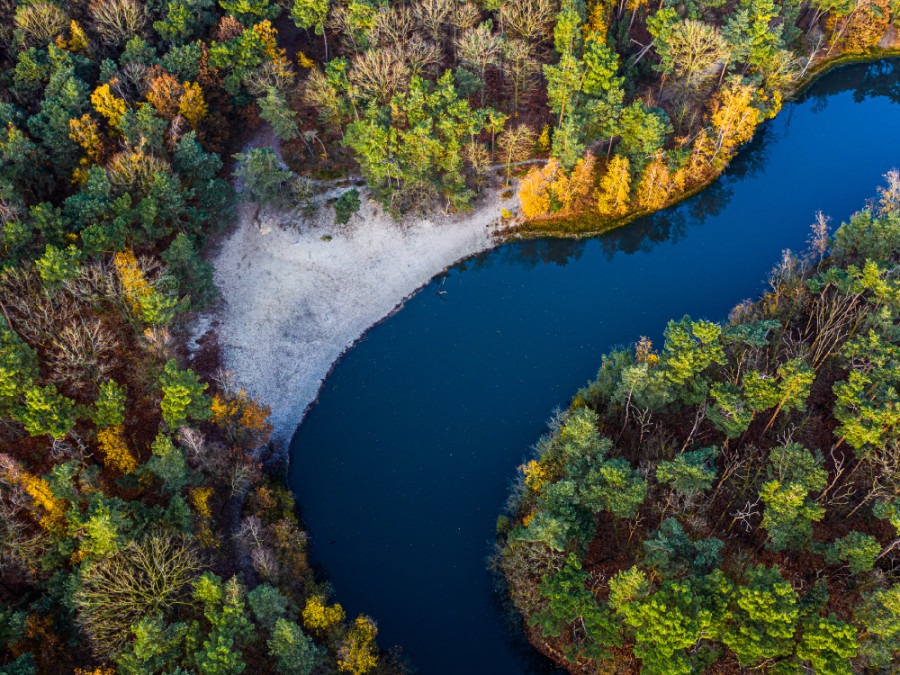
{"x": 298, "y": 292}
{"x": 250, "y": 313}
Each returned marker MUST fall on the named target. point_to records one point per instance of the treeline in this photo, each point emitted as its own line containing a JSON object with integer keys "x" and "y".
{"x": 732, "y": 501}
{"x": 144, "y": 525}
{"x": 633, "y": 103}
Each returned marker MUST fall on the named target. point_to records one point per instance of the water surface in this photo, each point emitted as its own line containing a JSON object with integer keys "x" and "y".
{"x": 403, "y": 464}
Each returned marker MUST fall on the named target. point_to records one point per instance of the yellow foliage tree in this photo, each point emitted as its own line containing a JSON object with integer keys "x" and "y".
{"x": 536, "y": 475}
{"x": 358, "y": 653}
{"x": 192, "y": 106}
{"x": 568, "y": 191}
{"x": 614, "y": 187}
{"x": 269, "y": 38}
{"x": 319, "y": 617}
{"x": 656, "y": 185}
{"x": 535, "y": 196}
{"x": 200, "y": 500}
{"x": 132, "y": 278}
{"x": 52, "y": 514}
{"x": 85, "y": 132}
{"x": 108, "y": 105}
{"x": 643, "y": 352}
{"x": 115, "y": 450}
{"x": 734, "y": 119}
{"x": 78, "y": 42}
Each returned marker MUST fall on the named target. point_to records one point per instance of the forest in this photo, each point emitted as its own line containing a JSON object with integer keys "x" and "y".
{"x": 144, "y": 522}
{"x": 730, "y": 502}
{"x": 612, "y": 108}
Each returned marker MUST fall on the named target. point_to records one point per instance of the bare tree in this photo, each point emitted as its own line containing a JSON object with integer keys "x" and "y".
{"x": 40, "y": 23}
{"x": 393, "y": 26}
{"x": 433, "y": 15}
{"x": 378, "y": 73}
{"x": 520, "y": 67}
{"x": 479, "y": 48}
{"x": 420, "y": 54}
{"x": 531, "y": 20}
{"x": 515, "y": 144}
{"x": 117, "y": 20}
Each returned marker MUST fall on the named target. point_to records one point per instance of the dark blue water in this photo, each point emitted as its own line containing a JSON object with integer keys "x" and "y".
{"x": 403, "y": 464}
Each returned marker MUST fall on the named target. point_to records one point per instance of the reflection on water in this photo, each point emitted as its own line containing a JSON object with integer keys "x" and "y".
{"x": 402, "y": 465}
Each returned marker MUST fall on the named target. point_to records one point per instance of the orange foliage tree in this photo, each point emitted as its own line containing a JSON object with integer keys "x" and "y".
{"x": 165, "y": 94}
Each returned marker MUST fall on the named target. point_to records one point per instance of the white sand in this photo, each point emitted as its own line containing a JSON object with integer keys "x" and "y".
{"x": 293, "y": 303}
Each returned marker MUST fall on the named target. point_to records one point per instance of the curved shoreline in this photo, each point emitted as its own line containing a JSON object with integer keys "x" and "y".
{"x": 365, "y": 273}
{"x": 298, "y": 292}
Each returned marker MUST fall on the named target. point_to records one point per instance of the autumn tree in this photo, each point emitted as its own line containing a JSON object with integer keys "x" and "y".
{"x": 357, "y": 653}
{"x": 614, "y": 195}
{"x": 734, "y": 118}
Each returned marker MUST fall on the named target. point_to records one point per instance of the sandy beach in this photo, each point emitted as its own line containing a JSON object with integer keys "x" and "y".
{"x": 293, "y": 300}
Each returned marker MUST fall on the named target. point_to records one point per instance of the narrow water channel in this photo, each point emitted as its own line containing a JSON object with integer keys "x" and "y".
{"x": 403, "y": 464}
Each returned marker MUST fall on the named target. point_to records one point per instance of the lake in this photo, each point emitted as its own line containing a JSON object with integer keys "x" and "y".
{"x": 403, "y": 465}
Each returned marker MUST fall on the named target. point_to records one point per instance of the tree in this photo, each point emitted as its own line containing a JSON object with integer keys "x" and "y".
{"x": 263, "y": 175}
{"x": 311, "y": 14}
{"x": 734, "y": 118}
{"x": 157, "y": 647}
{"x": 535, "y": 196}
{"x": 40, "y": 23}
{"x": 828, "y": 645}
{"x": 294, "y": 651}
{"x": 665, "y": 625}
{"x": 346, "y": 205}
{"x": 859, "y": 551}
{"x": 116, "y": 453}
{"x": 228, "y": 626}
{"x": 267, "y": 604}
{"x": 689, "y": 49}
{"x": 149, "y": 578}
{"x": 479, "y": 48}
{"x": 183, "y": 396}
{"x": 110, "y": 404}
{"x": 515, "y": 145}
{"x": 520, "y": 67}
{"x": 657, "y": 186}
{"x": 192, "y": 105}
{"x": 794, "y": 472}
{"x": 117, "y": 21}
{"x": 57, "y": 266}
{"x": 46, "y": 412}
{"x": 643, "y": 131}
{"x": 795, "y": 380}
{"x": 565, "y": 601}
{"x": 614, "y": 187}
{"x": 168, "y": 464}
{"x": 879, "y": 614}
{"x": 319, "y": 617}
{"x": 531, "y": 20}
{"x": 689, "y": 473}
{"x": 357, "y": 653}
{"x": 762, "y": 617}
